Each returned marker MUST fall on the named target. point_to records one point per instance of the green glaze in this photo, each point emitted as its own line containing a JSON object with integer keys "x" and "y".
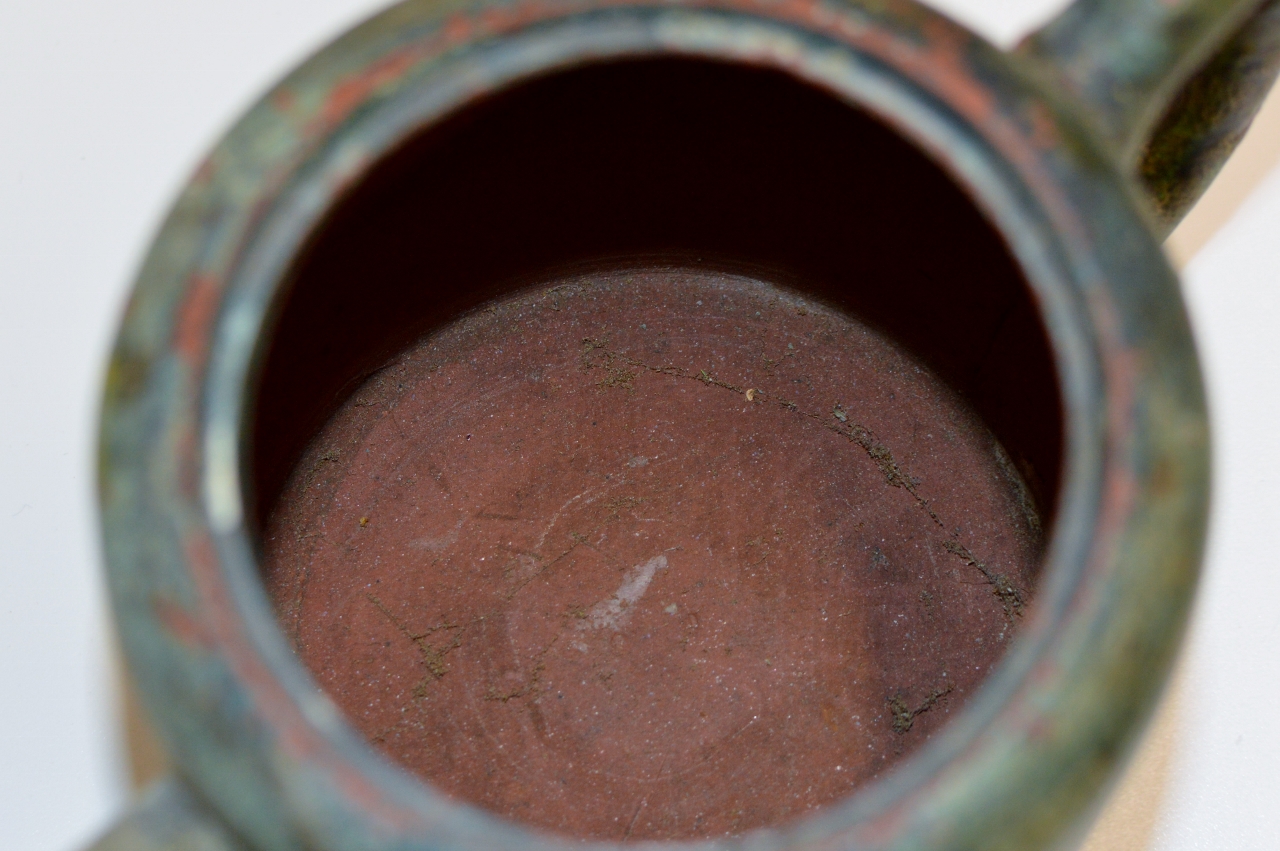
{"x": 1171, "y": 86}
{"x": 1047, "y": 151}
{"x": 1209, "y": 117}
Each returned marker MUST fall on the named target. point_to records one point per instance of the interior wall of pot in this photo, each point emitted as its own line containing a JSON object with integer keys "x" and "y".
{"x": 715, "y": 164}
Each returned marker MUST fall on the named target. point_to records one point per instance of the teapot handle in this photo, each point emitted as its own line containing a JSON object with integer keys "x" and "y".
{"x": 1171, "y": 85}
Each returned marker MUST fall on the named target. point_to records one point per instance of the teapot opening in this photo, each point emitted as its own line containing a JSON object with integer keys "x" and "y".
{"x": 657, "y": 449}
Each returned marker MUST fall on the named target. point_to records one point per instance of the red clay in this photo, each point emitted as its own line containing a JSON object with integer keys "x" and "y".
{"x": 661, "y": 553}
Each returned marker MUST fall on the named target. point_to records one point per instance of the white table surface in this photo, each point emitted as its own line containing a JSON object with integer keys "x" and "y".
{"x": 106, "y": 105}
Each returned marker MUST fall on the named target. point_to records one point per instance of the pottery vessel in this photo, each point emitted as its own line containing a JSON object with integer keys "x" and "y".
{"x": 1067, "y": 161}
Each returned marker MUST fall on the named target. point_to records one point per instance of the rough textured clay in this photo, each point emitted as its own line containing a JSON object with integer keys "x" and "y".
{"x": 651, "y": 553}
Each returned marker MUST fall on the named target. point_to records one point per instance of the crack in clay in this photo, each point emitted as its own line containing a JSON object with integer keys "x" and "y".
{"x": 578, "y": 540}
{"x": 1005, "y": 591}
{"x": 535, "y": 676}
{"x": 613, "y": 612}
{"x": 904, "y": 717}
{"x": 1010, "y": 597}
{"x": 432, "y": 657}
{"x": 526, "y": 640}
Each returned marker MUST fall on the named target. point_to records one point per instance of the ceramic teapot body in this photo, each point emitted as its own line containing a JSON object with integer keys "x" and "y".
{"x": 1056, "y": 145}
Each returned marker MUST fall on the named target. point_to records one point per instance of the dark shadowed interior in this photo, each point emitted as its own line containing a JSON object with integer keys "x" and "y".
{"x": 658, "y": 449}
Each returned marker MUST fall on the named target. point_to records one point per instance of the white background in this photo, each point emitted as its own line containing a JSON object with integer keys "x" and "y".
{"x": 104, "y": 109}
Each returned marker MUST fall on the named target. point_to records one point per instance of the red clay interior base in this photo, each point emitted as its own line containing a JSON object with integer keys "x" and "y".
{"x": 654, "y": 553}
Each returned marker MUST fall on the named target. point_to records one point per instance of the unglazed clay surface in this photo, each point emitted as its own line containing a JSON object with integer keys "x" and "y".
{"x": 651, "y": 553}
